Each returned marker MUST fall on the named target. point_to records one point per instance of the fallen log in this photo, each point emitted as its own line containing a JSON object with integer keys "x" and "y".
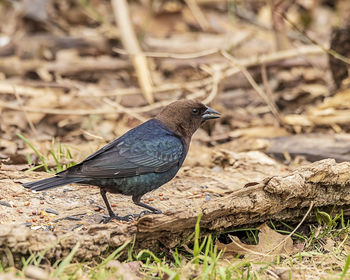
{"x": 235, "y": 190}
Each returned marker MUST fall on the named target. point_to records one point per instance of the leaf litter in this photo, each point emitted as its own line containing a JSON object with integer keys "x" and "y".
{"x": 65, "y": 75}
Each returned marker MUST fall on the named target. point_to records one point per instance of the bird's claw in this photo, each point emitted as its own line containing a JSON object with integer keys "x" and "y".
{"x": 128, "y": 218}
{"x": 107, "y": 219}
{"x": 146, "y": 212}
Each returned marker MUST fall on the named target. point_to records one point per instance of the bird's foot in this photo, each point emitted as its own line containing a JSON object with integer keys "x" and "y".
{"x": 127, "y": 218}
{"x": 146, "y": 212}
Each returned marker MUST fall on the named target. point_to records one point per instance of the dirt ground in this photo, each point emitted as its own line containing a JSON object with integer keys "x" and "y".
{"x": 249, "y": 188}
{"x": 74, "y": 75}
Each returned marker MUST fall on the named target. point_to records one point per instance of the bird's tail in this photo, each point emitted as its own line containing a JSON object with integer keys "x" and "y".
{"x": 50, "y": 183}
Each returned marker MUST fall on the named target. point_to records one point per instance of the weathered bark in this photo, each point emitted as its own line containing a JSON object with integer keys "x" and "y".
{"x": 313, "y": 146}
{"x": 236, "y": 194}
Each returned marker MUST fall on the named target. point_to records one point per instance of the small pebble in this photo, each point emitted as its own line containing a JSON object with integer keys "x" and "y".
{"x": 27, "y": 224}
{"x": 33, "y": 212}
{"x": 37, "y": 227}
{"x": 98, "y": 207}
{"x": 19, "y": 211}
{"x": 146, "y": 201}
{"x": 151, "y": 199}
{"x": 47, "y": 219}
{"x": 34, "y": 272}
{"x": 102, "y": 211}
{"x": 15, "y": 194}
{"x": 34, "y": 220}
{"x": 27, "y": 203}
{"x": 51, "y": 211}
{"x": 41, "y": 216}
{"x": 84, "y": 228}
{"x": 161, "y": 198}
{"x": 72, "y": 218}
{"x": 28, "y": 221}
{"x": 195, "y": 193}
{"x": 207, "y": 197}
{"x": 113, "y": 205}
{"x": 47, "y": 228}
{"x": 76, "y": 226}
{"x": 160, "y": 194}
{"x": 4, "y": 203}
{"x": 14, "y": 205}
{"x": 41, "y": 202}
{"x": 217, "y": 169}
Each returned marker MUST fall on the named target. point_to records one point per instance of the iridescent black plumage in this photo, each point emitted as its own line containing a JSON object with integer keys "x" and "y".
{"x": 141, "y": 160}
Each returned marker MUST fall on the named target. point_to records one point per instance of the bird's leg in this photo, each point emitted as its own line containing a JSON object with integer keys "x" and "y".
{"x": 112, "y": 215}
{"x": 109, "y": 208}
{"x": 137, "y": 201}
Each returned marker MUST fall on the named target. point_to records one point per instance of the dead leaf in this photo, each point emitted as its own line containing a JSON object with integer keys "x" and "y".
{"x": 259, "y": 132}
{"x": 13, "y": 167}
{"x": 129, "y": 270}
{"x": 330, "y": 244}
{"x": 271, "y": 244}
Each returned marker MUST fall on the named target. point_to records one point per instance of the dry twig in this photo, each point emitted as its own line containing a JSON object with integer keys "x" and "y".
{"x": 323, "y": 48}
{"x": 32, "y": 127}
{"x": 198, "y": 14}
{"x": 124, "y": 110}
{"x": 173, "y": 55}
{"x": 128, "y": 37}
{"x": 192, "y": 85}
{"x": 216, "y": 73}
{"x": 294, "y": 230}
{"x": 272, "y": 106}
{"x": 147, "y": 108}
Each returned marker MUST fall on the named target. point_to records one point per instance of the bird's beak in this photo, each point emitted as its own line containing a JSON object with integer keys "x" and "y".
{"x": 210, "y": 114}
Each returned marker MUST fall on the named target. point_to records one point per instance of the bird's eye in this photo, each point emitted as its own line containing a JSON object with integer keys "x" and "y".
{"x": 195, "y": 111}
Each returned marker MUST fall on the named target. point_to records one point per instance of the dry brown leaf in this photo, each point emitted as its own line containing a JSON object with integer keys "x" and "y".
{"x": 330, "y": 245}
{"x": 259, "y": 132}
{"x": 127, "y": 270}
{"x": 271, "y": 244}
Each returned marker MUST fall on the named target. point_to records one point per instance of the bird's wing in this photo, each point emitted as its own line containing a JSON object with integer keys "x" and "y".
{"x": 145, "y": 149}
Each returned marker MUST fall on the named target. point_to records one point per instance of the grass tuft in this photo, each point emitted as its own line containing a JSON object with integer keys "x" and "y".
{"x": 60, "y": 154}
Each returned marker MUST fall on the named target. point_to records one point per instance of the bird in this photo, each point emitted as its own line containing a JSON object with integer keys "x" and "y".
{"x": 143, "y": 159}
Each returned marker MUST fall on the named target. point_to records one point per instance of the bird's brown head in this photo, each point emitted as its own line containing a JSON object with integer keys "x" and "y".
{"x": 184, "y": 117}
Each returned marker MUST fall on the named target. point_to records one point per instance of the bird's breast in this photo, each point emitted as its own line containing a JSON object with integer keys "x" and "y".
{"x": 135, "y": 185}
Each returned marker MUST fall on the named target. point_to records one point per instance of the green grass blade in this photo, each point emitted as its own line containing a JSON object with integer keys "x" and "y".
{"x": 34, "y": 168}
{"x": 196, "y": 249}
{"x": 66, "y": 261}
{"x": 40, "y": 156}
{"x": 139, "y": 255}
{"x": 59, "y": 166}
{"x": 346, "y": 268}
{"x": 113, "y": 255}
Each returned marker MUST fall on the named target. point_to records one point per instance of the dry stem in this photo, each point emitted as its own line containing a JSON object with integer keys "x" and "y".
{"x": 272, "y": 106}
{"x": 128, "y": 37}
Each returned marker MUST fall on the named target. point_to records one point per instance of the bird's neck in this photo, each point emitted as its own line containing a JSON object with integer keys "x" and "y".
{"x": 177, "y": 128}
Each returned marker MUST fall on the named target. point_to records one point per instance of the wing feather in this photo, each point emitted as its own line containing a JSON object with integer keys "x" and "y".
{"x": 149, "y": 148}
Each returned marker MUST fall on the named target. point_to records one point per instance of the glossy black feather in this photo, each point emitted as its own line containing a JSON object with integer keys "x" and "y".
{"x": 141, "y": 160}
{"x": 150, "y": 147}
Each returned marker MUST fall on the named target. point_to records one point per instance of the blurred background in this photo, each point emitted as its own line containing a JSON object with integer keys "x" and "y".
{"x": 76, "y": 74}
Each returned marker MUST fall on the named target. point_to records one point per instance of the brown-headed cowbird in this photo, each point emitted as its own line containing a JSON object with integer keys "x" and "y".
{"x": 143, "y": 159}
